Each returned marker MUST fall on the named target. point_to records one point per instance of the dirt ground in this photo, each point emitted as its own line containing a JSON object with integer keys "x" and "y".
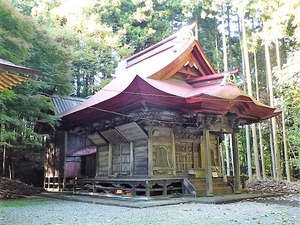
{"x": 16, "y": 189}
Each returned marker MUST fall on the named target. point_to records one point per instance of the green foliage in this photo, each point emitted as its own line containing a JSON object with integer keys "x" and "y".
{"x": 48, "y": 56}
{"x": 288, "y": 86}
{"x": 20, "y": 115}
{"x": 27, "y": 104}
{"x": 139, "y": 24}
{"x": 15, "y": 34}
{"x": 92, "y": 62}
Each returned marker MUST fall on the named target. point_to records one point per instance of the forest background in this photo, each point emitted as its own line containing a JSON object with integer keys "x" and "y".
{"x": 77, "y": 44}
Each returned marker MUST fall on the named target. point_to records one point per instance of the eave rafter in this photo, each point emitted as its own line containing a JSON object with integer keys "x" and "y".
{"x": 8, "y": 80}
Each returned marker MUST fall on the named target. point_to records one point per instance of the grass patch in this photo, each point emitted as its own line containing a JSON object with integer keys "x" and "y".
{"x": 21, "y": 203}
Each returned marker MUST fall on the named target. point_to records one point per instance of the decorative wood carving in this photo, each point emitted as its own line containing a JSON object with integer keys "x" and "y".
{"x": 219, "y": 123}
{"x": 162, "y": 157}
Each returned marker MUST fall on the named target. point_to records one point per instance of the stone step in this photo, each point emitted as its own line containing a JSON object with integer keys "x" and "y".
{"x": 202, "y": 182}
{"x": 219, "y": 187}
{"x": 216, "y": 191}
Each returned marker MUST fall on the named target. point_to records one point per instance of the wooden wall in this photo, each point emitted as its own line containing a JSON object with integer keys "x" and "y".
{"x": 55, "y": 154}
{"x": 163, "y": 154}
{"x": 77, "y": 142}
{"x": 188, "y": 155}
{"x": 103, "y": 161}
{"x": 176, "y": 155}
{"x": 140, "y": 164}
{"x": 121, "y": 159}
{"x": 124, "y": 159}
{"x": 163, "y": 151}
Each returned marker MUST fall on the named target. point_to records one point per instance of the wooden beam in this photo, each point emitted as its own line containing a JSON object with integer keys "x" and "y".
{"x": 176, "y": 65}
{"x": 236, "y": 164}
{"x": 188, "y": 72}
{"x": 208, "y": 170}
{"x": 198, "y": 65}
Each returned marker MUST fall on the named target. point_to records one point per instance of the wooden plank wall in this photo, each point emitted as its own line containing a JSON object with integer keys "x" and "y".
{"x": 121, "y": 159}
{"x": 76, "y": 142}
{"x": 103, "y": 161}
{"x": 140, "y": 151}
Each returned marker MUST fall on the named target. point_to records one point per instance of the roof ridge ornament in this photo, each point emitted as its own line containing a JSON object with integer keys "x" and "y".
{"x": 229, "y": 78}
{"x": 185, "y": 33}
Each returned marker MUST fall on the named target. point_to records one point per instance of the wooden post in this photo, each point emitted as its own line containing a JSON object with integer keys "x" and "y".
{"x": 131, "y": 159}
{"x": 236, "y": 164}
{"x": 150, "y": 153}
{"x": 208, "y": 171}
{"x": 173, "y": 153}
{"x": 165, "y": 188}
{"x": 97, "y": 161}
{"x": 147, "y": 187}
{"x": 109, "y": 159}
{"x": 65, "y": 156}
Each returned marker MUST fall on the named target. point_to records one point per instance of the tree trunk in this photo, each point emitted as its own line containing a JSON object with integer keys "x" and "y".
{"x": 249, "y": 89}
{"x": 286, "y": 155}
{"x": 262, "y": 156}
{"x": 225, "y": 63}
{"x": 249, "y": 158}
{"x": 248, "y": 149}
{"x": 4, "y": 162}
{"x": 273, "y": 120}
{"x": 272, "y": 151}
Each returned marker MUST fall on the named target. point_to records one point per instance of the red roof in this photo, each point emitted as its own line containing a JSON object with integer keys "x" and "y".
{"x": 174, "y": 73}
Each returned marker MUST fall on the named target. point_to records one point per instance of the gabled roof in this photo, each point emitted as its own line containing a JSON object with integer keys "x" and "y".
{"x": 11, "y": 74}
{"x": 174, "y": 73}
{"x": 180, "y": 53}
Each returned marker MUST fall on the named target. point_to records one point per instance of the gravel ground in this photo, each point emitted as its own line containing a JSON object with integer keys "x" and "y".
{"x": 275, "y": 210}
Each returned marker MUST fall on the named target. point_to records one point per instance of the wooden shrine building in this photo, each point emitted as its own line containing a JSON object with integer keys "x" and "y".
{"x": 156, "y": 128}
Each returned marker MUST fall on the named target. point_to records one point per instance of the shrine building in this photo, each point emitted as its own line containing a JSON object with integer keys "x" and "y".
{"x": 156, "y": 128}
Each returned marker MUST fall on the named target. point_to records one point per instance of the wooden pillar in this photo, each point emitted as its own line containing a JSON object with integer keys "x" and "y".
{"x": 173, "y": 153}
{"x": 208, "y": 171}
{"x": 236, "y": 164}
{"x": 97, "y": 161}
{"x": 131, "y": 159}
{"x": 109, "y": 159}
{"x": 64, "y": 163}
{"x": 150, "y": 154}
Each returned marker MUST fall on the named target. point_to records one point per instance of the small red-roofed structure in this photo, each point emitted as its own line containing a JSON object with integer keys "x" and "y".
{"x": 157, "y": 127}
